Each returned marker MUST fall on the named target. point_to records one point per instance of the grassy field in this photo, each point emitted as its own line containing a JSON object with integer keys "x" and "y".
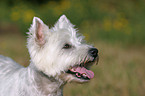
{"x": 120, "y": 72}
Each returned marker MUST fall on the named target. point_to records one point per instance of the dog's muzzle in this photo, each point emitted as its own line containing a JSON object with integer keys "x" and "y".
{"x": 82, "y": 70}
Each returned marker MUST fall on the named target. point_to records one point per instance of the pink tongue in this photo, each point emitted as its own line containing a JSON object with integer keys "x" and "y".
{"x": 83, "y": 70}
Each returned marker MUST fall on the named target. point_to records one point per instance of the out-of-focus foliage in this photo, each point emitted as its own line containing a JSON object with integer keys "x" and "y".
{"x": 110, "y": 20}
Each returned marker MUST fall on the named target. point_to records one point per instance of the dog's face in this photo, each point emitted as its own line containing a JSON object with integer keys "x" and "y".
{"x": 59, "y": 51}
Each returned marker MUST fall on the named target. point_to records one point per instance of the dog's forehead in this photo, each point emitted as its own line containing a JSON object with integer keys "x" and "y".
{"x": 66, "y": 36}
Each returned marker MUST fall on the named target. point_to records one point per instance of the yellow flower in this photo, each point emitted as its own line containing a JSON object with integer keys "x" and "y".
{"x": 28, "y": 15}
{"x": 15, "y": 16}
{"x": 117, "y": 25}
{"x": 65, "y": 4}
{"x": 120, "y": 23}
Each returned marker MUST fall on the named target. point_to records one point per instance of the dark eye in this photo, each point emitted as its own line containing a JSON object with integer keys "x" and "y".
{"x": 67, "y": 46}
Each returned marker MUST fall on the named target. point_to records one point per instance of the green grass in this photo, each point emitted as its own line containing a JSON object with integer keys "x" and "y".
{"x": 120, "y": 71}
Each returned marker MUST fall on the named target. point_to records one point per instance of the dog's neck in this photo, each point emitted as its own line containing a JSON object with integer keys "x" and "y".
{"x": 49, "y": 86}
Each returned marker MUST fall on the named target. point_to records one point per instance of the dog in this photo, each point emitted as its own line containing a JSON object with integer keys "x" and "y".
{"x": 58, "y": 55}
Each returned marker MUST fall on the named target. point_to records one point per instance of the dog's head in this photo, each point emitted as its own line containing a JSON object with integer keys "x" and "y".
{"x": 59, "y": 51}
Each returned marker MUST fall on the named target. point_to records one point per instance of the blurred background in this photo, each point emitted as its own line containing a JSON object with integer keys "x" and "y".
{"x": 115, "y": 27}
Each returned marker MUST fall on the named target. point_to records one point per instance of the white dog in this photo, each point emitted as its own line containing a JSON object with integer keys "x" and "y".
{"x": 57, "y": 56}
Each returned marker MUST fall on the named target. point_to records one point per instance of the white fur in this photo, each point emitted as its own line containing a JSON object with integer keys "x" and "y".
{"x": 45, "y": 76}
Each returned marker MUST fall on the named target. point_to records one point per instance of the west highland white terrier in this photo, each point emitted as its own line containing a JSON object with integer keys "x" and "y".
{"x": 58, "y": 56}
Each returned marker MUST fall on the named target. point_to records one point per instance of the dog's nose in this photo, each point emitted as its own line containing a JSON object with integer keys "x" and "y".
{"x": 93, "y": 52}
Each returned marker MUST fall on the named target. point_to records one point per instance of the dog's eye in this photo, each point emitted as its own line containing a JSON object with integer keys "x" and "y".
{"x": 67, "y": 46}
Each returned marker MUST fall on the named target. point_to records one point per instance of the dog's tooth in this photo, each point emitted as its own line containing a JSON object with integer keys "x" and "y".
{"x": 84, "y": 74}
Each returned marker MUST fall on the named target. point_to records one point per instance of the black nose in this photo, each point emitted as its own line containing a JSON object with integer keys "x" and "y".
{"x": 93, "y": 52}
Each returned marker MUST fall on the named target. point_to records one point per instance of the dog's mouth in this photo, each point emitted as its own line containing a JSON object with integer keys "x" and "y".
{"x": 82, "y": 71}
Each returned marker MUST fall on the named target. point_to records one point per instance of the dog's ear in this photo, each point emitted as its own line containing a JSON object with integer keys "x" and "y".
{"x": 38, "y": 30}
{"x": 63, "y": 22}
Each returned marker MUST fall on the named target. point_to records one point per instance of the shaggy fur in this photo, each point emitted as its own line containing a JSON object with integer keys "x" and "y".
{"x": 54, "y": 52}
